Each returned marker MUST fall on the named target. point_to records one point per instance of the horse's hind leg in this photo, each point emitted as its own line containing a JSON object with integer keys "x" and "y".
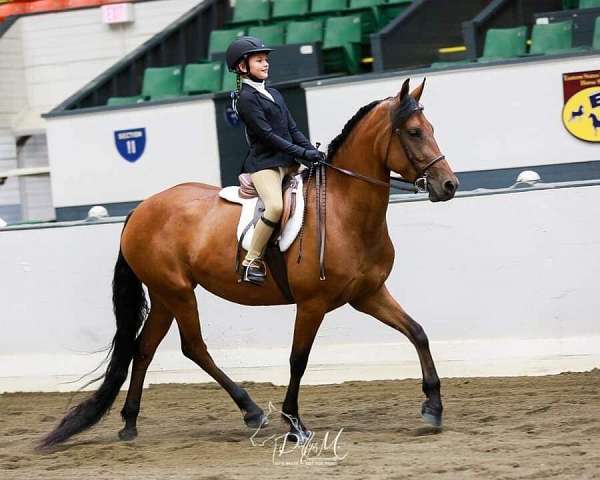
{"x": 156, "y": 327}
{"x": 384, "y": 307}
{"x": 183, "y": 305}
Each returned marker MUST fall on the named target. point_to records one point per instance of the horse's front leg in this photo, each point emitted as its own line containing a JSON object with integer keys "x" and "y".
{"x": 384, "y": 307}
{"x": 308, "y": 319}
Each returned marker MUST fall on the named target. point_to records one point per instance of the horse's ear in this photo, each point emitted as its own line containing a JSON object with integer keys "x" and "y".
{"x": 417, "y": 92}
{"x": 404, "y": 90}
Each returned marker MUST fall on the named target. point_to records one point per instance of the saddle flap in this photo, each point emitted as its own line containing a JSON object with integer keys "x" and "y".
{"x": 290, "y": 189}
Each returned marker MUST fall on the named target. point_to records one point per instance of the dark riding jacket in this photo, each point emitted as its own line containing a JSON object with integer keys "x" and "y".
{"x": 274, "y": 138}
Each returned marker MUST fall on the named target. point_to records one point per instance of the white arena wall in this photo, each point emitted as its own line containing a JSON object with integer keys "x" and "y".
{"x": 503, "y": 284}
{"x": 181, "y": 146}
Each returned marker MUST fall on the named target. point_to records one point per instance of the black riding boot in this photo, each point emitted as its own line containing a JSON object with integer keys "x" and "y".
{"x": 255, "y": 273}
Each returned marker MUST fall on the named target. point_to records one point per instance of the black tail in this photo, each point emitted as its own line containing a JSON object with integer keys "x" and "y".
{"x": 130, "y": 307}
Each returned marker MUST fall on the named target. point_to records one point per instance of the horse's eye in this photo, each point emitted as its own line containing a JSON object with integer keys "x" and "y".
{"x": 415, "y": 133}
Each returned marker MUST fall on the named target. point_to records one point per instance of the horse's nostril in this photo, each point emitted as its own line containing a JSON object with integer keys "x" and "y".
{"x": 449, "y": 187}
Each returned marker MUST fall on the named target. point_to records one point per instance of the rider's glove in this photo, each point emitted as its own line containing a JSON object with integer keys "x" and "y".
{"x": 312, "y": 155}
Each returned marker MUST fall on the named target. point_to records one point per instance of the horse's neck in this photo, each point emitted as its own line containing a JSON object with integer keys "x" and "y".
{"x": 361, "y": 203}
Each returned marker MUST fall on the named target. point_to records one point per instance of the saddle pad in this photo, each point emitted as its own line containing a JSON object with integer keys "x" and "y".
{"x": 289, "y": 234}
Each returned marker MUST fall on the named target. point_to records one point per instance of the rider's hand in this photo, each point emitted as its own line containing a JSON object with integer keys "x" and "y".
{"x": 313, "y": 155}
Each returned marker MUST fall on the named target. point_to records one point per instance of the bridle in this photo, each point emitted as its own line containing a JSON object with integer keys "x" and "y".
{"x": 408, "y": 107}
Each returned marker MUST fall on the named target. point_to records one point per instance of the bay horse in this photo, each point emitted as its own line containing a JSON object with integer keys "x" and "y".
{"x": 186, "y": 236}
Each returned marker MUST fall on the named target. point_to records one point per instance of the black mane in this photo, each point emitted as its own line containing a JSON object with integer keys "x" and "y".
{"x": 337, "y": 142}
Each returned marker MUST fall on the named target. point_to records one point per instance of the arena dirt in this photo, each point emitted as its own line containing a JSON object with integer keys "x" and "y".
{"x": 495, "y": 428}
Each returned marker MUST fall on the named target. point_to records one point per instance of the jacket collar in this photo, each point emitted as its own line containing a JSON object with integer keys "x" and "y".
{"x": 250, "y": 88}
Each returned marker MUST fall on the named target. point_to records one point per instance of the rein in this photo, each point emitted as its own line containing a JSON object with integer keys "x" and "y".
{"x": 319, "y": 168}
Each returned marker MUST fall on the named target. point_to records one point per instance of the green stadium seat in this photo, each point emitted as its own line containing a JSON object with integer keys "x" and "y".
{"x": 114, "y": 101}
{"x": 596, "y": 40}
{"x": 392, "y": 8}
{"x": 251, "y": 11}
{"x": 289, "y": 8}
{"x": 162, "y": 83}
{"x": 309, "y": 31}
{"x": 220, "y": 39}
{"x": 229, "y": 80}
{"x": 341, "y": 45}
{"x": 365, "y": 3}
{"x": 551, "y": 37}
{"x": 270, "y": 34}
{"x": 203, "y": 78}
{"x": 328, "y": 6}
{"x": 371, "y": 16}
{"x": 589, "y": 3}
{"x": 570, "y": 4}
{"x": 504, "y": 43}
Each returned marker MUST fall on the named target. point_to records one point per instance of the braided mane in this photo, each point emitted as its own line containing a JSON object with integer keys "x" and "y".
{"x": 337, "y": 142}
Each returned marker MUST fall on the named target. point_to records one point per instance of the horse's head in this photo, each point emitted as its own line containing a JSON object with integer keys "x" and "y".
{"x": 413, "y": 151}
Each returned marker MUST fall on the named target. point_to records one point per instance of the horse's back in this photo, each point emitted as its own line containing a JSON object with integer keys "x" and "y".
{"x": 167, "y": 230}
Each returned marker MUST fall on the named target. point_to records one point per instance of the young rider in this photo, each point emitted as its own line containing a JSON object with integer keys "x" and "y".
{"x": 276, "y": 144}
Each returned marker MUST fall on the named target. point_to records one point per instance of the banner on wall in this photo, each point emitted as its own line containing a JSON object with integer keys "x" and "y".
{"x": 581, "y": 111}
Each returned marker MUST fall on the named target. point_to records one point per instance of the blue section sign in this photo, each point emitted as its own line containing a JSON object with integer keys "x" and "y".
{"x": 131, "y": 143}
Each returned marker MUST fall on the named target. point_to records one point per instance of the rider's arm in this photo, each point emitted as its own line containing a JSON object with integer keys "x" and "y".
{"x": 254, "y": 117}
{"x": 297, "y": 135}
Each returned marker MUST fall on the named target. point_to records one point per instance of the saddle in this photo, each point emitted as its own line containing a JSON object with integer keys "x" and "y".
{"x": 290, "y": 190}
{"x": 283, "y": 236}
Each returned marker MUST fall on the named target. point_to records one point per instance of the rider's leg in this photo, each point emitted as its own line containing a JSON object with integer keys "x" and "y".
{"x": 268, "y": 186}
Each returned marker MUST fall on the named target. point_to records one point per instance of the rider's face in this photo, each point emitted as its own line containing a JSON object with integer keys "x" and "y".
{"x": 259, "y": 65}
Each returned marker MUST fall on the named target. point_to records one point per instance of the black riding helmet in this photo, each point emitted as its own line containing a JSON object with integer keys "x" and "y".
{"x": 241, "y": 48}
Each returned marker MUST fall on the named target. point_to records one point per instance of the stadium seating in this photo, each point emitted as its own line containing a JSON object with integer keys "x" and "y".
{"x": 596, "y": 40}
{"x": 552, "y": 38}
{"x": 589, "y": 3}
{"x": 371, "y": 18}
{"x": 504, "y": 43}
{"x": 341, "y": 45}
{"x": 321, "y": 7}
{"x": 229, "y": 81}
{"x": 203, "y": 78}
{"x": 219, "y": 40}
{"x": 162, "y": 83}
{"x": 309, "y": 31}
{"x": 289, "y": 8}
{"x": 392, "y": 8}
{"x": 251, "y": 12}
{"x": 272, "y": 35}
{"x": 114, "y": 101}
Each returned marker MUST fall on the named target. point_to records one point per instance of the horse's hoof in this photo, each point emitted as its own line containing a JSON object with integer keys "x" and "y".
{"x": 431, "y": 415}
{"x": 434, "y": 420}
{"x": 256, "y": 420}
{"x": 128, "y": 434}
{"x": 299, "y": 437}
